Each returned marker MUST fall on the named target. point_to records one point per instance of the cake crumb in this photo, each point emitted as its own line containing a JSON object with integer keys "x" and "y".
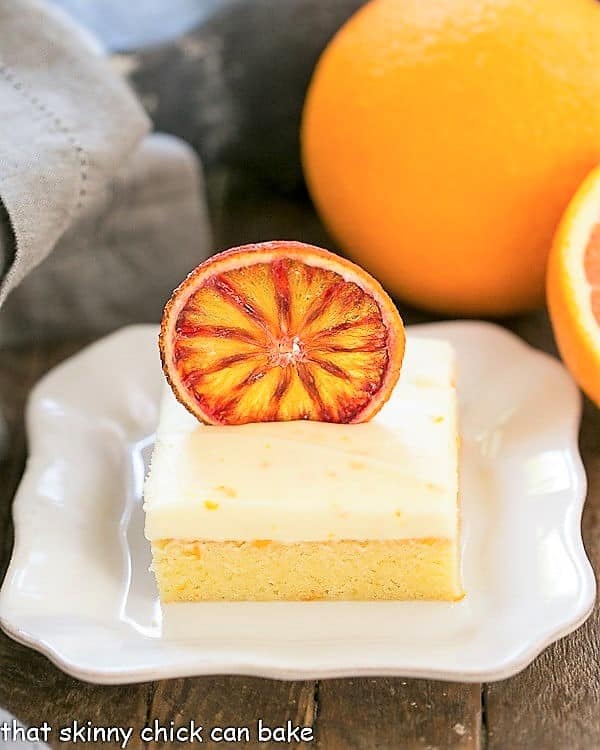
{"x": 210, "y": 505}
{"x": 261, "y": 542}
{"x": 459, "y": 729}
{"x": 227, "y": 491}
{"x": 357, "y": 465}
{"x": 332, "y": 474}
{"x": 437, "y": 420}
{"x": 398, "y": 514}
{"x": 264, "y": 464}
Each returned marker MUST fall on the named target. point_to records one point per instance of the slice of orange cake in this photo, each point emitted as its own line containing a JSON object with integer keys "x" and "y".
{"x": 290, "y": 462}
{"x": 311, "y": 510}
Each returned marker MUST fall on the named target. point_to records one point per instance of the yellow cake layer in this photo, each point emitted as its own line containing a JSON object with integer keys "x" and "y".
{"x": 194, "y": 570}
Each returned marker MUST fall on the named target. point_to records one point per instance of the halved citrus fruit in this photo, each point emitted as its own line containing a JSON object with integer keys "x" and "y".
{"x": 573, "y": 286}
{"x": 280, "y": 331}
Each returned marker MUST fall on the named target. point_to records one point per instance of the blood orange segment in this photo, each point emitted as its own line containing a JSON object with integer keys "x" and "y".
{"x": 281, "y": 331}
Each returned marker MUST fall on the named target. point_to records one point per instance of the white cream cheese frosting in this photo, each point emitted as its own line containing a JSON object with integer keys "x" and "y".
{"x": 394, "y": 477}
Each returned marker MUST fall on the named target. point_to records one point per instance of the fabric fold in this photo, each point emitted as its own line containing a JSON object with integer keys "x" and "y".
{"x": 68, "y": 123}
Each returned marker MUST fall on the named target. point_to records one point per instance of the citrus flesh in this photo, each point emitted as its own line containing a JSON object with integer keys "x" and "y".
{"x": 281, "y": 331}
{"x": 573, "y": 286}
{"x": 592, "y": 270}
{"x": 443, "y": 140}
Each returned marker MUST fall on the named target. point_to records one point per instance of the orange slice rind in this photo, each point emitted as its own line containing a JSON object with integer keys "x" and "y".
{"x": 281, "y": 331}
{"x": 573, "y": 286}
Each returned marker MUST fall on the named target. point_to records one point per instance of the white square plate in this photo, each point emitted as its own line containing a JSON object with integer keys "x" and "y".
{"x": 78, "y": 587}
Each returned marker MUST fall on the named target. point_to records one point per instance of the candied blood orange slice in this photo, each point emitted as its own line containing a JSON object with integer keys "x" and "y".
{"x": 280, "y": 331}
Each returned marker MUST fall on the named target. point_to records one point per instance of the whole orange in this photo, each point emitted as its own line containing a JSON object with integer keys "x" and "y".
{"x": 443, "y": 139}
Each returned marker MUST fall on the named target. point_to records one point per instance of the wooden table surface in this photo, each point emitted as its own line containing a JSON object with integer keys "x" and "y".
{"x": 554, "y": 703}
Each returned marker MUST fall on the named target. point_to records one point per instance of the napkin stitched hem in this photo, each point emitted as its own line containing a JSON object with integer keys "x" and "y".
{"x": 60, "y": 127}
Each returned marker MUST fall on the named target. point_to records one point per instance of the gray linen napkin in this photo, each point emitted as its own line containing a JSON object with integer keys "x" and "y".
{"x": 119, "y": 263}
{"x": 116, "y": 217}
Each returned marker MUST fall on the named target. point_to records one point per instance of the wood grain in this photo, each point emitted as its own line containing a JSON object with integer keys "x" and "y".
{"x": 233, "y": 702}
{"x": 34, "y": 691}
{"x": 396, "y": 713}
